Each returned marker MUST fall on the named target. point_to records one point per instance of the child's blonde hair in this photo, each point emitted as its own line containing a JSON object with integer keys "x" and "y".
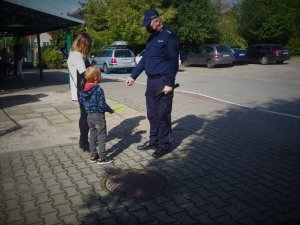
{"x": 91, "y": 72}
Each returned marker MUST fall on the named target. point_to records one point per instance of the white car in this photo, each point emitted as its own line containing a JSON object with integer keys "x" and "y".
{"x": 114, "y": 57}
{"x": 140, "y": 55}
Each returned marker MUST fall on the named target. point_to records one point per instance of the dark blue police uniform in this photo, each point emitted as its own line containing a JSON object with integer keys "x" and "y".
{"x": 160, "y": 62}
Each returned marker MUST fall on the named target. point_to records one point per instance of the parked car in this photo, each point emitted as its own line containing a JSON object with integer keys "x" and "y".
{"x": 115, "y": 57}
{"x": 140, "y": 55}
{"x": 239, "y": 55}
{"x": 209, "y": 55}
{"x": 267, "y": 53}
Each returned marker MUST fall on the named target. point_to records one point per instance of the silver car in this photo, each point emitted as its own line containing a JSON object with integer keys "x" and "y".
{"x": 114, "y": 58}
{"x": 209, "y": 55}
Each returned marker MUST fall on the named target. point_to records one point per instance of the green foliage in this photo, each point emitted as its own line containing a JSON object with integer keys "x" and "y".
{"x": 228, "y": 28}
{"x": 111, "y": 20}
{"x": 58, "y": 39}
{"x": 6, "y": 42}
{"x": 294, "y": 44}
{"x": 265, "y": 21}
{"x": 271, "y": 21}
{"x": 294, "y": 27}
{"x": 197, "y": 22}
{"x": 52, "y": 59}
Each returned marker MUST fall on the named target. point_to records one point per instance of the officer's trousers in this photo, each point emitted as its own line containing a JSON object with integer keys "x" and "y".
{"x": 159, "y": 112}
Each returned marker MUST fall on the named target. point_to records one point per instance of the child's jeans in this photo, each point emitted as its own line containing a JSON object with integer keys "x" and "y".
{"x": 97, "y": 126}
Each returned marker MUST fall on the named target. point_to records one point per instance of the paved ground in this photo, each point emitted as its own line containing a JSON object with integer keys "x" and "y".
{"x": 230, "y": 165}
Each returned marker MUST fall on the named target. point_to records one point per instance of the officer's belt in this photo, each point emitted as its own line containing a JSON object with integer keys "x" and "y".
{"x": 155, "y": 76}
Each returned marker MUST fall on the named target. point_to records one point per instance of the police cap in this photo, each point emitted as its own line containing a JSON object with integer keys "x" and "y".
{"x": 149, "y": 15}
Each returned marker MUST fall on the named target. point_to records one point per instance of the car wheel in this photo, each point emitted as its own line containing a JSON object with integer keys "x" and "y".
{"x": 105, "y": 68}
{"x": 210, "y": 64}
{"x": 264, "y": 60}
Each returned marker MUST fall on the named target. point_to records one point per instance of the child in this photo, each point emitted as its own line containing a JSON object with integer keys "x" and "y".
{"x": 93, "y": 99}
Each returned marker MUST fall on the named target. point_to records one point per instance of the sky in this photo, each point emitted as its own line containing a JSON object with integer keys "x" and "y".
{"x": 56, "y": 6}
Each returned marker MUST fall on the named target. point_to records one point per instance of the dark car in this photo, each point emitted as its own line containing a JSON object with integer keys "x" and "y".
{"x": 209, "y": 55}
{"x": 239, "y": 55}
{"x": 267, "y": 53}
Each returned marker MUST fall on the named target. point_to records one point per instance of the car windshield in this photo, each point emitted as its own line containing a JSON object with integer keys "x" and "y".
{"x": 123, "y": 53}
{"x": 223, "y": 49}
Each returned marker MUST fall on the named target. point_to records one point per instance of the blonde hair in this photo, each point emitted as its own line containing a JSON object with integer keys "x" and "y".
{"x": 91, "y": 72}
{"x": 82, "y": 44}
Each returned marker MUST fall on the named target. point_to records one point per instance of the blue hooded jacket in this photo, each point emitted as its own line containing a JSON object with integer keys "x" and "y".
{"x": 93, "y": 100}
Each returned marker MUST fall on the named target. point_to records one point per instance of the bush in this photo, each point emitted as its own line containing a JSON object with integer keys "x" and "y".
{"x": 52, "y": 59}
{"x": 294, "y": 45}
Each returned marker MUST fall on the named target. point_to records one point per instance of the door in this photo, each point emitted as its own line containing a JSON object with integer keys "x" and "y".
{"x": 204, "y": 54}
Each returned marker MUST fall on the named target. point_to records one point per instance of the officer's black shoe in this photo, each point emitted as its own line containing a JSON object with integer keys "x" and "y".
{"x": 146, "y": 146}
{"x": 160, "y": 153}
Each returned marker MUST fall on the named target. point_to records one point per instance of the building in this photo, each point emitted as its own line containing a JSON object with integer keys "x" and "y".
{"x": 45, "y": 40}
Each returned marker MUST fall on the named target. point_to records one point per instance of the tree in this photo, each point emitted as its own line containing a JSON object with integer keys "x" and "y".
{"x": 229, "y": 30}
{"x": 111, "y": 20}
{"x": 197, "y": 20}
{"x": 265, "y": 21}
{"x": 58, "y": 39}
{"x": 294, "y": 27}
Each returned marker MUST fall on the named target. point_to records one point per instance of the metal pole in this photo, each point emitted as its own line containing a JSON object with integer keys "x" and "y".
{"x": 68, "y": 32}
{"x": 40, "y": 56}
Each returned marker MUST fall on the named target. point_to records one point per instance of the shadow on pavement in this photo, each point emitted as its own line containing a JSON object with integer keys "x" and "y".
{"x": 125, "y": 134}
{"x": 32, "y": 80}
{"x": 10, "y": 101}
{"x": 185, "y": 127}
{"x": 242, "y": 167}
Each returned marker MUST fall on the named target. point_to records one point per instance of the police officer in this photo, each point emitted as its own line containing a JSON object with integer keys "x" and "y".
{"x": 160, "y": 63}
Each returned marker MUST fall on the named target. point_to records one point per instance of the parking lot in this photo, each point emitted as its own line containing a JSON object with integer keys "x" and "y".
{"x": 272, "y": 87}
{"x": 229, "y": 164}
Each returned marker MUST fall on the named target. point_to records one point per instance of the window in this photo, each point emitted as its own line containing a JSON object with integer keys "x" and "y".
{"x": 123, "y": 53}
{"x": 223, "y": 49}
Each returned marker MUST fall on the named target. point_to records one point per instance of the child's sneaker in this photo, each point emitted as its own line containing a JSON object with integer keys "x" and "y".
{"x": 94, "y": 158}
{"x": 104, "y": 160}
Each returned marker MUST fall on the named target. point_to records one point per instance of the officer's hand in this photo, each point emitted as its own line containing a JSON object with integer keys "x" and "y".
{"x": 129, "y": 81}
{"x": 167, "y": 89}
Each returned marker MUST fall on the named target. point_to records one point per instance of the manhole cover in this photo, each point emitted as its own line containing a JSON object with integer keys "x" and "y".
{"x": 136, "y": 183}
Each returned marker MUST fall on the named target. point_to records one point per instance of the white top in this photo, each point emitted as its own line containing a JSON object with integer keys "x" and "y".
{"x": 75, "y": 62}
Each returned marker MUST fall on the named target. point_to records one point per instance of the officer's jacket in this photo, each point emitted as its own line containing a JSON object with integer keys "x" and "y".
{"x": 160, "y": 57}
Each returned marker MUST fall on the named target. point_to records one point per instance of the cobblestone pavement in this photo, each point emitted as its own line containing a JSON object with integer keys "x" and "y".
{"x": 229, "y": 165}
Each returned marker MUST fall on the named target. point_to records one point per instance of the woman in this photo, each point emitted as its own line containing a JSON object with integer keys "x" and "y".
{"x": 77, "y": 64}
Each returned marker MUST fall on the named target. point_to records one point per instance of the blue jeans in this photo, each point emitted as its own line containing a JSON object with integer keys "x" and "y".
{"x": 97, "y": 126}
